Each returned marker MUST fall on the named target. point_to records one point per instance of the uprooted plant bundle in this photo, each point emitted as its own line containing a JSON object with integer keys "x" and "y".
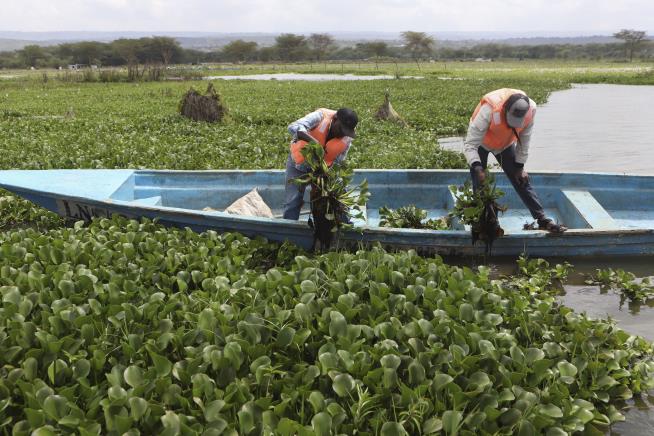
{"x": 208, "y": 107}
{"x": 333, "y": 202}
{"x": 387, "y": 113}
{"x": 479, "y": 209}
{"x": 411, "y": 217}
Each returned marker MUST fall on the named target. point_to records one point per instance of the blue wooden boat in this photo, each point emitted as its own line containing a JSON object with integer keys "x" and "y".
{"x": 608, "y": 214}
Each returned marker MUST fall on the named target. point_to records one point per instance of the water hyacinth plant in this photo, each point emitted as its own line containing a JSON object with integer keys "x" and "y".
{"x": 126, "y": 326}
{"x": 411, "y": 217}
{"x": 624, "y": 283}
{"x": 333, "y": 201}
{"x": 479, "y": 209}
{"x": 17, "y": 212}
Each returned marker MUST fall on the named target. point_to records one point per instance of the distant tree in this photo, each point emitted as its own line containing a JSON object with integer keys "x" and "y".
{"x": 86, "y": 52}
{"x": 65, "y": 50}
{"x": 321, "y": 44}
{"x": 167, "y": 48}
{"x": 267, "y": 54}
{"x": 9, "y": 59}
{"x": 418, "y": 44}
{"x": 30, "y": 54}
{"x": 147, "y": 51}
{"x": 374, "y": 49}
{"x": 127, "y": 49}
{"x": 239, "y": 50}
{"x": 291, "y": 47}
{"x": 632, "y": 39}
{"x": 131, "y": 52}
{"x": 191, "y": 56}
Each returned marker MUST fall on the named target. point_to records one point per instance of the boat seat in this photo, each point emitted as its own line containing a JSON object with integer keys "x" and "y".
{"x": 589, "y": 209}
{"x": 148, "y": 201}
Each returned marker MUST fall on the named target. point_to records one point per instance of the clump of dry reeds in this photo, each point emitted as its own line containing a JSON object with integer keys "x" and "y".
{"x": 208, "y": 107}
{"x": 387, "y": 113}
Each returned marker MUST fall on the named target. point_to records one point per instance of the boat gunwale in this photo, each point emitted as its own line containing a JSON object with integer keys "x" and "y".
{"x": 281, "y": 222}
{"x": 390, "y": 170}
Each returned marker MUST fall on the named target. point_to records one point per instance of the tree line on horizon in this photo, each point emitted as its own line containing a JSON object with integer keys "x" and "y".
{"x": 317, "y": 47}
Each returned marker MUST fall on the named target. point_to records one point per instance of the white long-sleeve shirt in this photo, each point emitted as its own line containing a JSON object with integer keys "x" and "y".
{"x": 304, "y": 124}
{"x": 477, "y": 130}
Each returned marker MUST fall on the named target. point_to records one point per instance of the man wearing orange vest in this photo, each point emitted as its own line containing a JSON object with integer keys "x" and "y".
{"x": 502, "y": 124}
{"x": 333, "y": 130}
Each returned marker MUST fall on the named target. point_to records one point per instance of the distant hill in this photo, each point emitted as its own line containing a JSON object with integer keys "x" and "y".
{"x": 7, "y": 44}
{"x": 10, "y": 40}
{"x": 12, "y": 44}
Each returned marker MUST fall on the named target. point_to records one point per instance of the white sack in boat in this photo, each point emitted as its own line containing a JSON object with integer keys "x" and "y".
{"x": 250, "y": 204}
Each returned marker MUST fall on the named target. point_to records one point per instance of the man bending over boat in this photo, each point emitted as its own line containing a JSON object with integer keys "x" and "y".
{"x": 333, "y": 130}
{"x": 502, "y": 124}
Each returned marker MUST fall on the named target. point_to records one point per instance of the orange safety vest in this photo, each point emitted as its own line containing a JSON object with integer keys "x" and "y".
{"x": 500, "y": 135}
{"x": 333, "y": 148}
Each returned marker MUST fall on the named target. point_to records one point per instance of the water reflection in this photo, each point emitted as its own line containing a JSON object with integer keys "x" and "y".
{"x": 633, "y": 317}
{"x": 640, "y": 417}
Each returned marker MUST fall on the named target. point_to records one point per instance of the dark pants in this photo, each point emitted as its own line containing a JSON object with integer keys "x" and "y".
{"x": 294, "y": 193}
{"x": 525, "y": 191}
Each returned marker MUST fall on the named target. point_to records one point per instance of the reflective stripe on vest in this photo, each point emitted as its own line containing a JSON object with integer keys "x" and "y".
{"x": 333, "y": 148}
{"x": 499, "y": 134}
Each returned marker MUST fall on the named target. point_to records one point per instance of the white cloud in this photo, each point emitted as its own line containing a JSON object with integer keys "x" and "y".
{"x": 326, "y": 15}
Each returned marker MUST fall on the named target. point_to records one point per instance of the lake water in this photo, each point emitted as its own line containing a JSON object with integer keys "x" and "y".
{"x": 604, "y": 128}
{"x": 599, "y": 128}
{"x": 595, "y": 128}
{"x": 591, "y": 128}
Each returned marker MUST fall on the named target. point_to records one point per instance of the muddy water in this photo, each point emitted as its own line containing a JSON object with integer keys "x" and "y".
{"x": 591, "y": 128}
{"x": 604, "y": 128}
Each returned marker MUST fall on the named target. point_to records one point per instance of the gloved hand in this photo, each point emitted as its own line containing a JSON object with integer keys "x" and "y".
{"x": 522, "y": 178}
{"x": 481, "y": 174}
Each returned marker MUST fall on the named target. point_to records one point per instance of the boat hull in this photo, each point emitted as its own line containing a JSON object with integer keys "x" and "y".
{"x": 580, "y": 199}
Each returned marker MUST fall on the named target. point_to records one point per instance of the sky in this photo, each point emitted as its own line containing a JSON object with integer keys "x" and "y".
{"x": 302, "y": 16}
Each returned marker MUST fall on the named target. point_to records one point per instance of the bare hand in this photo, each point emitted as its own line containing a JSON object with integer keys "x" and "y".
{"x": 522, "y": 177}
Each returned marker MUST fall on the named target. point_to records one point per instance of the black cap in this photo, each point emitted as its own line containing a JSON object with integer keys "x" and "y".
{"x": 349, "y": 121}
